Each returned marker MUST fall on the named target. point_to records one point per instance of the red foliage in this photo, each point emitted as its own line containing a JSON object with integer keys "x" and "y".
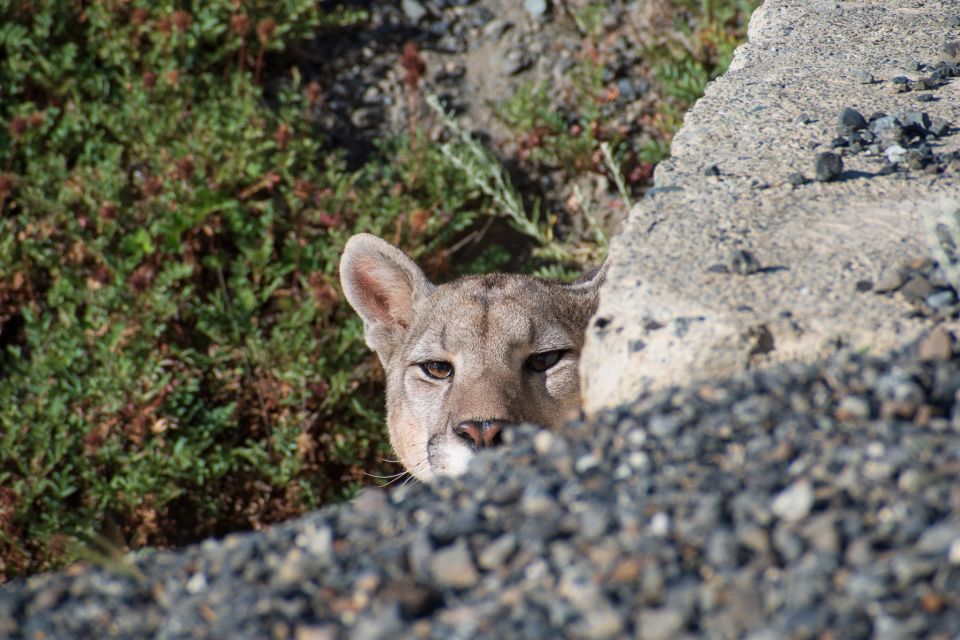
{"x": 413, "y": 65}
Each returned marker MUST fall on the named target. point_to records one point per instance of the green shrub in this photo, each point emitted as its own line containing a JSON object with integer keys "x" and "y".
{"x": 686, "y": 44}
{"x": 176, "y": 358}
{"x": 697, "y": 47}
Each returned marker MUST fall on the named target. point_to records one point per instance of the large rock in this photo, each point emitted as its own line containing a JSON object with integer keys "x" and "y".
{"x": 668, "y": 316}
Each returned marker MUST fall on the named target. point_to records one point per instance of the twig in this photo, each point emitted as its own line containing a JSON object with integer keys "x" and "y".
{"x": 614, "y": 168}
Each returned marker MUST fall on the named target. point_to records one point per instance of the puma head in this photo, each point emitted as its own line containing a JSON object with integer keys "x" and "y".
{"x": 466, "y": 360}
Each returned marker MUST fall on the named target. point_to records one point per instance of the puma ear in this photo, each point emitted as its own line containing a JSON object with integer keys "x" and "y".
{"x": 585, "y": 292}
{"x": 591, "y": 280}
{"x": 382, "y": 285}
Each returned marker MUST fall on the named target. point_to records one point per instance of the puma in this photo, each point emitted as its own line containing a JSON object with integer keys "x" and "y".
{"x": 466, "y": 360}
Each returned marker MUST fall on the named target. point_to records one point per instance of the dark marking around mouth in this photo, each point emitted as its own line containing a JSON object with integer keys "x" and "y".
{"x": 433, "y": 447}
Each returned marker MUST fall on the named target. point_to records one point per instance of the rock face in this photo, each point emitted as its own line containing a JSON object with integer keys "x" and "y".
{"x": 743, "y": 178}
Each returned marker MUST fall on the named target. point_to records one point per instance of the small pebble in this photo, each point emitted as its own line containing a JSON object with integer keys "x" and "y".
{"x": 937, "y": 346}
{"x": 829, "y": 166}
{"x": 744, "y": 263}
{"x": 851, "y": 120}
{"x": 536, "y": 8}
{"x": 453, "y": 567}
{"x": 414, "y": 10}
{"x": 938, "y": 126}
{"x": 794, "y": 502}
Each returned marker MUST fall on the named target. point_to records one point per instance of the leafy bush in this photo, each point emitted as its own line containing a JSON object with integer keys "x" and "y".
{"x": 176, "y": 358}
{"x": 681, "y": 45}
{"x": 692, "y": 43}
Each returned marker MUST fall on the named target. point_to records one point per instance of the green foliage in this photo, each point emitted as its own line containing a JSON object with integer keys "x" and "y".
{"x": 176, "y": 358}
{"x": 545, "y": 136}
{"x": 558, "y": 259}
{"x": 697, "y": 47}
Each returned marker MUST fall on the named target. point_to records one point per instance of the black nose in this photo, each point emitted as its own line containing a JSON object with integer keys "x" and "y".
{"x": 478, "y": 435}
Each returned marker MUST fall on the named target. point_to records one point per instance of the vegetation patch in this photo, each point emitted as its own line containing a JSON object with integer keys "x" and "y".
{"x": 176, "y": 359}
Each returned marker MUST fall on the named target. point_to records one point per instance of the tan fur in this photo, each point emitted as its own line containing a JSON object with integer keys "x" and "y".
{"x": 486, "y": 327}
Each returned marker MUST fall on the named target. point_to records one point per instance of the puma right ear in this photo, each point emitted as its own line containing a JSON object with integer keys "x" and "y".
{"x": 586, "y": 292}
{"x": 594, "y": 278}
{"x": 382, "y": 285}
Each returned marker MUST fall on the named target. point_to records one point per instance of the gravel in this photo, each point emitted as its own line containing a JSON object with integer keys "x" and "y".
{"x": 923, "y": 283}
{"x": 902, "y": 140}
{"x": 793, "y": 502}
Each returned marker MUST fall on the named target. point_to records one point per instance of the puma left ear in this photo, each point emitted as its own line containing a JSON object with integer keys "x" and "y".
{"x": 383, "y": 285}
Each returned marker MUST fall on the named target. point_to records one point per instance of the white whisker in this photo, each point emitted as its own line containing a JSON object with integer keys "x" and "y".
{"x": 393, "y": 475}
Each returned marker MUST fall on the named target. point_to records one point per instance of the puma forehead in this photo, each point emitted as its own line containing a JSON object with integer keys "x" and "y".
{"x": 467, "y": 359}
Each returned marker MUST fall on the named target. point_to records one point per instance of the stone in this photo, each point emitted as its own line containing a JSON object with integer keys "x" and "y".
{"x": 938, "y": 126}
{"x": 916, "y": 288}
{"x": 452, "y": 567}
{"x": 915, "y": 122}
{"x": 497, "y": 552}
{"x": 937, "y": 346}
{"x": 895, "y": 153}
{"x": 853, "y": 408}
{"x": 829, "y": 166}
{"x": 413, "y": 10}
{"x": 795, "y": 502}
{"x": 851, "y": 120}
{"x": 515, "y": 61}
{"x": 744, "y": 263}
{"x": 536, "y": 8}
{"x": 889, "y": 281}
{"x": 939, "y": 539}
{"x": 659, "y": 624}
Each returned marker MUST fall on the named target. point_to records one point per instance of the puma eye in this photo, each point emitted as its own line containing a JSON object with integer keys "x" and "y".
{"x": 437, "y": 369}
{"x": 540, "y": 362}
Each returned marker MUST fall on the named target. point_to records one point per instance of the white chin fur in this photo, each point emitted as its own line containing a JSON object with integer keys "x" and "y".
{"x": 455, "y": 462}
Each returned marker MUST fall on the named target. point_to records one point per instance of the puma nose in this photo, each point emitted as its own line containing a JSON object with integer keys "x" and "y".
{"x": 480, "y": 434}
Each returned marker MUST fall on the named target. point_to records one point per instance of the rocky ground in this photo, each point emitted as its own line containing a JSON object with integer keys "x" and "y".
{"x": 825, "y": 154}
{"x": 801, "y": 502}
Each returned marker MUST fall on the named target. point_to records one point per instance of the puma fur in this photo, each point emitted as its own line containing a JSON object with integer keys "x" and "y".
{"x": 467, "y": 359}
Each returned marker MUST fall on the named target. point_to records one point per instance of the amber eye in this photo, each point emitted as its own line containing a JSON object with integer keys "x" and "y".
{"x": 437, "y": 369}
{"x": 540, "y": 362}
